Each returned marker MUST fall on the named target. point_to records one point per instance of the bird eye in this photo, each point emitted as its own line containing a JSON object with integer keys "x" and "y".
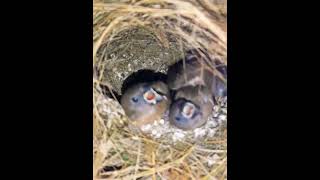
{"x": 178, "y": 118}
{"x": 135, "y": 99}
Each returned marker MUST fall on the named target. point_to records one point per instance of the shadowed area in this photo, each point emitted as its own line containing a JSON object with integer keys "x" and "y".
{"x": 140, "y": 76}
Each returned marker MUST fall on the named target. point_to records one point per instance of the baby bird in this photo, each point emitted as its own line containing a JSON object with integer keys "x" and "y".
{"x": 145, "y": 102}
{"x": 194, "y": 71}
{"x": 195, "y": 86}
{"x": 191, "y": 107}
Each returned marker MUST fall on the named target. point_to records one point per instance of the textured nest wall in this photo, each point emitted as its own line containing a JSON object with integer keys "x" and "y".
{"x": 133, "y": 35}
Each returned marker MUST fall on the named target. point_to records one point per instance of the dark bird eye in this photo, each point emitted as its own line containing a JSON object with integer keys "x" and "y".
{"x": 178, "y": 118}
{"x": 135, "y": 99}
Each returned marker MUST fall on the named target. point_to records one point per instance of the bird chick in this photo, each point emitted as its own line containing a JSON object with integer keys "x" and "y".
{"x": 196, "y": 86}
{"x": 194, "y": 71}
{"x": 191, "y": 107}
{"x": 144, "y": 103}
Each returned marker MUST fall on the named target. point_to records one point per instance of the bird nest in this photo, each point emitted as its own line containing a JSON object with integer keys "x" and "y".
{"x": 152, "y": 34}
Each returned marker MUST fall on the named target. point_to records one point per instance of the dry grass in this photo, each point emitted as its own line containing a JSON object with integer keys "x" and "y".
{"x": 119, "y": 153}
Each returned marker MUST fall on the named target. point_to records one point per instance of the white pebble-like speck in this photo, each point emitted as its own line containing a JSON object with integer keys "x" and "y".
{"x": 199, "y": 132}
{"x": 155, "y": 123}
{"x": 119, "y": 75}
{"x": 158, "y": 135}
{"x": 129, "y": 67}
{"x": 213, "y": 160}
{"x": 216, "y": 108}
{"x": 223, "y": 117}
{"x": 154, "y": 132}
{"x": 211, "y": 132}
{"x": 146, "y": 127}
{"x": 178, "y": 136}
{"x": 224, "y": 110}
{"x": 210, "y": 162}
{"x": 212, "y": 123}
{"x": 161, "y": 121}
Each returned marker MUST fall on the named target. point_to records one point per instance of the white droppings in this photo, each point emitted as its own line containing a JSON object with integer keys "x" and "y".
{"x": 213, "y": 160}
{"x": 154, "y": 132}
{"x": 155, "y": 123}
{"x": 210, "y": 162}
{"x": 162, "y": 128}
{"x": 212, "y": 124}
{"x": 199, "y": 132}
{"x": 211, "y": 132}
{"x": 146, "y": 127}
{"x": 223, "y": 117}
{"x": 224, "y": 110}
{"x": 129, "y": 67}
{"x": 177, "y": 136}
{"x": 158, "y": 135}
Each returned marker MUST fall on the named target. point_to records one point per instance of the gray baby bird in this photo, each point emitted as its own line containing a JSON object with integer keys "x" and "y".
{"x": 195, "y": 87}
{"x": 145, "y": 102}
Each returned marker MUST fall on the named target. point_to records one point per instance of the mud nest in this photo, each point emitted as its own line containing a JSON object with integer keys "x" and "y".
{"x": 130, "y": 36}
